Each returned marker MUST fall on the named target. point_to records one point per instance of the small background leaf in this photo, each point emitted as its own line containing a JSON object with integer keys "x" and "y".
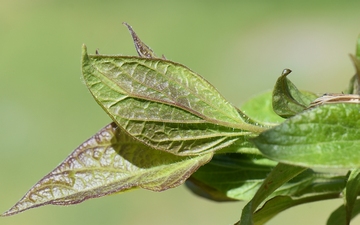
{"x": 260, "y": 109}
{"x": 338, "y": 217}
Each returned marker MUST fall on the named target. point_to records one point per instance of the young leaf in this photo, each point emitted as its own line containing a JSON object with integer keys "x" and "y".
{"x": 287, "y": 100}
{"x": 278, "y": 204}
{"x": 281, "y": 174}
{"x": 354, "y": 86}
{"x": 351, "y": 192}
{"x": 142, "y": 49}
{"x": 164, "y": 104}
{"x": 260, "y": 109}
{"x": 325, "y": 136}
{"x": 109, "y": 162}
{"x": 237, "y": 176}
{"x": 203, "y": 190}
{"x": 338, "y": 217}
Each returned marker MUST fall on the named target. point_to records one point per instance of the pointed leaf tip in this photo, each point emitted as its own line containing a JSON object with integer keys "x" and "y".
{"x": 109, "y": 162}
{"x": 84, "y": 51}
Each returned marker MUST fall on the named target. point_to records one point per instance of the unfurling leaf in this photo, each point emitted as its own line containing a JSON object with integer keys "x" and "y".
{"x": 142, "y": 49}
{"x": 164, "y": 104}
{"x": 109, "y": 162}
{"x": 325, "y": 136}
{"x": 287, "y": 99}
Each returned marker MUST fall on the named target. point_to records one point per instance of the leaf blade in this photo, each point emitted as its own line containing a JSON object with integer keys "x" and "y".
{"x": 176, "y": 111}
{"x": 316, "y": 138}
{"x": 109, "y": 162}
{"x": 287, "y": 100}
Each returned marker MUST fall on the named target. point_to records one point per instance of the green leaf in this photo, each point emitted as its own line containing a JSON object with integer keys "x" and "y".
{"x": 236, "y": 176}
{"x": 358, "y": 48}
{"x": 354, "y": 86}
{"x": 338, "y": 217}
{"x": 164, "y": 104}
{"x": 281, "y": 174}
{"x": 326, "y": 136}
{"x": 351, "y": 192}
{"x": 260, "y": 109}
{"x": 109, "y": 162}
{"x": 203, "y": 190}
{"x": 278, "y": 204}
{"x": 287, "y": 100}
{"x": 142, "y": 49}
{"x": 239, "y": 176}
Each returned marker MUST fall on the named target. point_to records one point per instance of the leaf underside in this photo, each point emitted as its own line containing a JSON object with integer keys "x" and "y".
{"x": 164, "y": 104}
{"x": 109, "y": 162}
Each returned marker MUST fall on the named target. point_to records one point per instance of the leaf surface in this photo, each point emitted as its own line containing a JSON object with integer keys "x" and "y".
{"x": 260, "y": 109}
{"x": 351, "y": 193}
{"x": 287, "y": 100}
{"x": 278, "y": 204}
{"x": 281, "y": 174}
{"x": 107, "y": 163}
{"x": 164, "y": 104}
{"x": 338, "y": 217}
{"x": 327, "y": 136}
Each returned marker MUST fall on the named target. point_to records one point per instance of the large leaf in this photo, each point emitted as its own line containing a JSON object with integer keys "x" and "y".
{"x": 324, "y": 136}
{"x": 108, "y": 162}
{"x": 164, "y": 104}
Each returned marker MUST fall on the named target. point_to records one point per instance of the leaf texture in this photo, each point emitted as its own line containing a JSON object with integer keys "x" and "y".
{"x": 108, "y": 162}
{"x": 164, "y": 104}
{"x": 326, "y": 136}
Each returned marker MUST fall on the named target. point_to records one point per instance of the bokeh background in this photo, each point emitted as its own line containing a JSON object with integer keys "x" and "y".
{"x": 239, "y": 46}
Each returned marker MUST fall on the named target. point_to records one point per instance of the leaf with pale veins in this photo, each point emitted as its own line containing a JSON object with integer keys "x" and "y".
{"x": 109, "y": 162}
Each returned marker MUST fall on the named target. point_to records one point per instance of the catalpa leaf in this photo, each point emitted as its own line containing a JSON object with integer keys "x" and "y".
{"x": 109, "y": 162}
{"x": 326, "y": 136}
{"x": 287, "y": 100}
{"x": 164, "y": 104}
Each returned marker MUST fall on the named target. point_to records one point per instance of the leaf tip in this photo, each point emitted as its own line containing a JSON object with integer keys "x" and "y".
{"x": 286, "y": 72}
{"x": 84, "y": 50}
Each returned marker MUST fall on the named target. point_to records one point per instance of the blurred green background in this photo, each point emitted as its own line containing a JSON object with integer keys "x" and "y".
{"x": 239, "y": 46}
